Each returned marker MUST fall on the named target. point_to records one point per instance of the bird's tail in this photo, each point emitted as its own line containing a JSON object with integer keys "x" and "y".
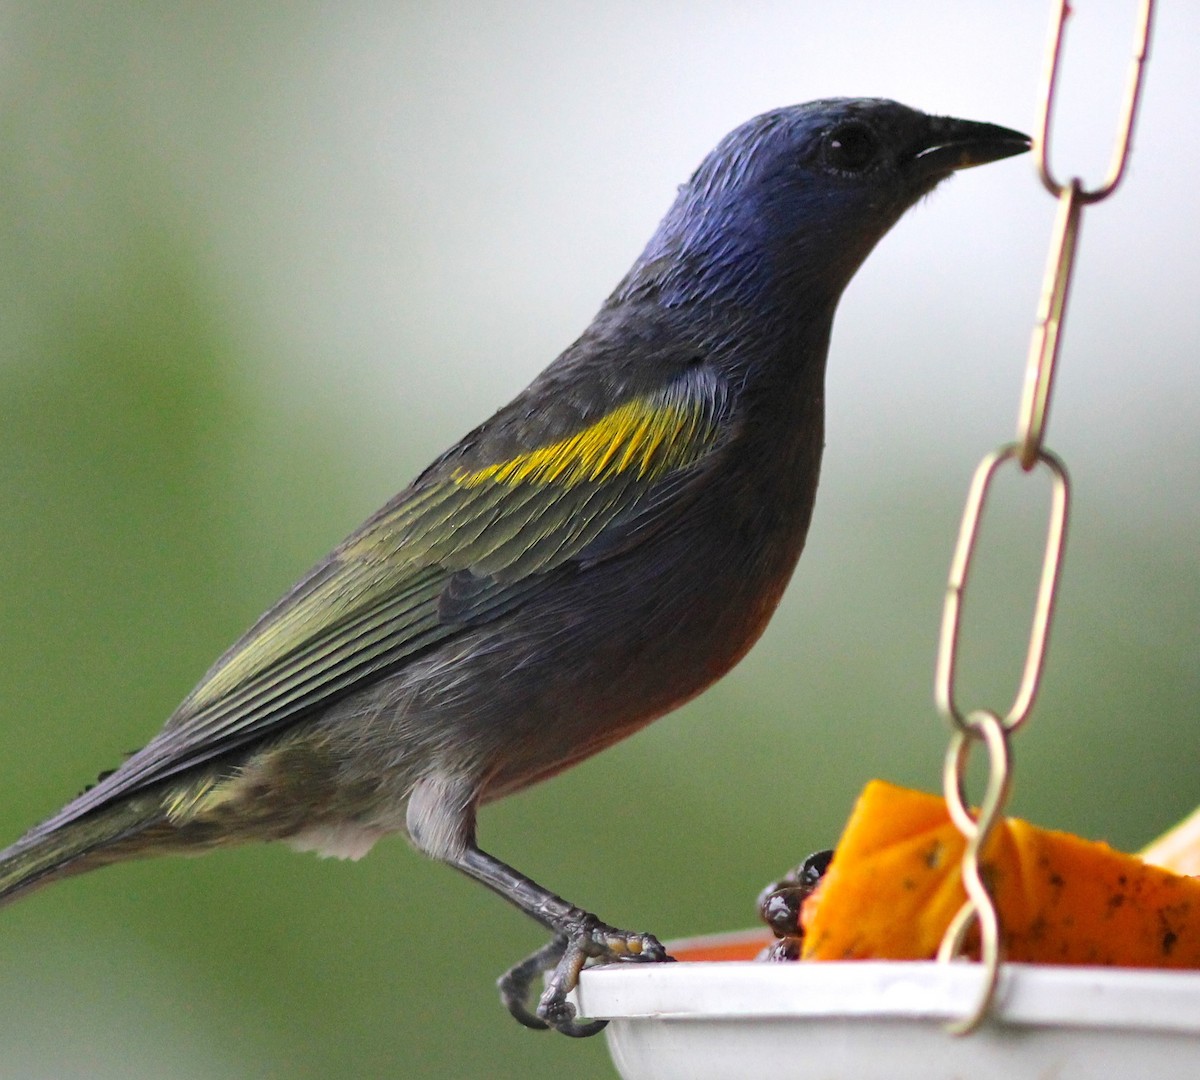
{"x": 109, "y": 835}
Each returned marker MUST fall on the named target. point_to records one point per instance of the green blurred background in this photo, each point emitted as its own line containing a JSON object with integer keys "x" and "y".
{"x": 260, "y": 262}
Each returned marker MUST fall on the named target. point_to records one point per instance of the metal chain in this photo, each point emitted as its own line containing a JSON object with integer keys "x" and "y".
{"x": 986, "y": 726}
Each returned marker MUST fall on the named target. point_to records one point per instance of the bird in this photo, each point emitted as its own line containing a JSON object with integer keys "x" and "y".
{"x": 598, "y": 552}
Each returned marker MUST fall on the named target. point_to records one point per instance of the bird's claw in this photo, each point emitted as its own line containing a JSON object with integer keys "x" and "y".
{"x": 565, "y": 955}
{"x": 516, "y": 983}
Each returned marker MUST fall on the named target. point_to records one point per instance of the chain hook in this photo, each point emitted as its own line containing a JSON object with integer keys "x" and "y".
{"x": 978, "y": 910}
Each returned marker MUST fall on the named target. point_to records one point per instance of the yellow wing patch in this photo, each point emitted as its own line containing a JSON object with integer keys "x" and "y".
{"x": 645, "y": 436}
{"x": 392, "y": 572}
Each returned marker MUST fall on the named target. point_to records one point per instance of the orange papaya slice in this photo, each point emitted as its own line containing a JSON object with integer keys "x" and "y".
{"x": 895, "y": 884}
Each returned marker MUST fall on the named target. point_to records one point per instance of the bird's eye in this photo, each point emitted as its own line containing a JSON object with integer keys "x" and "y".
{"x": 851, "y": 147}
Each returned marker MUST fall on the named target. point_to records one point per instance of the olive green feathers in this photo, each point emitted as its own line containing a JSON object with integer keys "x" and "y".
{"x": 457, "y": 547}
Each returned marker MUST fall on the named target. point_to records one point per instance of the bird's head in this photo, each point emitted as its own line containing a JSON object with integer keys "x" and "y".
{"x": 791, "y": 202}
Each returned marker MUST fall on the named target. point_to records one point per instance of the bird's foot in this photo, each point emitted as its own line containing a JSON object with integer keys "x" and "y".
{"x": 565, "y": 955}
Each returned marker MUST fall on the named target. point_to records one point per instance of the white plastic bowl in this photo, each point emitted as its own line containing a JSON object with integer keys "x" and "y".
{"x": 883, "y": 1020}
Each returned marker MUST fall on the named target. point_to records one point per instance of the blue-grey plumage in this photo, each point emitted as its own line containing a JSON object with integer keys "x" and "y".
{"x": 595, "y": 554}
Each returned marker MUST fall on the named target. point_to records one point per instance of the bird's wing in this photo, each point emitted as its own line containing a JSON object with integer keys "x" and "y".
{"x": 474, "y": 537}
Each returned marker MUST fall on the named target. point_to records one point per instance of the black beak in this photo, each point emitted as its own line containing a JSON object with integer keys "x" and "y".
{"x": 949, "y": 145}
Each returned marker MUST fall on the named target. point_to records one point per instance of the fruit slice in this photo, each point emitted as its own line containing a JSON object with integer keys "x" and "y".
{"x": 895, "y": 885}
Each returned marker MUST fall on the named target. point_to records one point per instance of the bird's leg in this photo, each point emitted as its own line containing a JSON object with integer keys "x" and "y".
{"x": 578, "y": 937}
{"x": 441, "y": 822}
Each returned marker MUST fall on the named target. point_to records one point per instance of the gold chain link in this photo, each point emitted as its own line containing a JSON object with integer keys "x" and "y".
{"x": 1133, "y": 92}
{"x": 1043, "y": 348}
{"x": 984, "y": 725}
{"x": 960, "y": 567}
{"x": 1072, "y": 197}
